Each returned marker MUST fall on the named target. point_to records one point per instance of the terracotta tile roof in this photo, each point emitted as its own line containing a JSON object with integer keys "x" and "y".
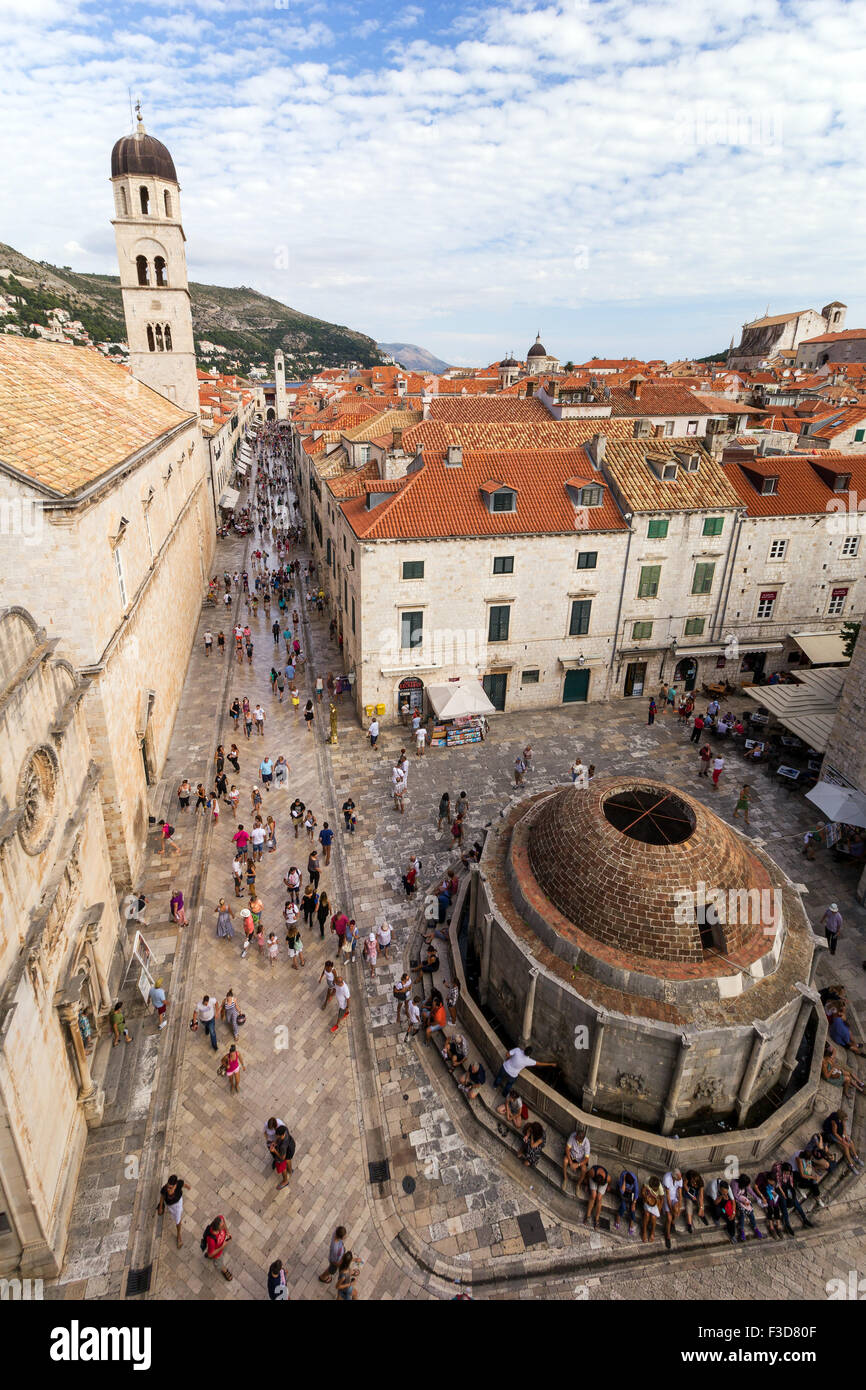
{"x": 644, "y": 491}
{"x": 351, "y": 482}
{"x": 383, "y": 424}
{"x": 484, "y": 409}
{"x": 657, "y": 398}
{"x": 68, "y": 415}
{"x": 847, "y": 333}
{"x": 802, "y": 490}
{"x": 535, "y": 434}
{"x": 836, "y": 422}
{"x": 774, "y": 319}
{"x": 720, "y": 405}
{"x": 440, "y": 501}
{"x": 621, "y": 364}
{"x": 469, "y": 386}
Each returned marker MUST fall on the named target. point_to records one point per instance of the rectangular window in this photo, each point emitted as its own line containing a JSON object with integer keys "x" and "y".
{"x": 694, "y": 626}
{"x": 353, "y": 612}
{"x": 766, "y": 604}
{"x": 503, "y": 564}
{"x": 714, "y": 525}
{"x": 692, "y": 427}
{"x": 640, "y": 630}
{"x": 859, "y": 436}
{"x": 118, "y": 569}
{"x": 837, "y": 602}
{"x": 591, "y": 496}
{"x": 503, "y": 502}
{"x": 497, "y": 622}
{"x": 352, "y": 557}
{"x": 345, "y": 594}
{"x": 587, "y": 560}
{"x": 769, "y": 487}
{"x": 150, "y": 537}
{"x": 850, "y": 545}
{"x": 669, "y": 426}
{"x": 411, "y": 629}
{"x": 778, "y": 549}
{"x": 581, "y": 609}
{"x": 413, "y": 569}
{"x": 529, "y": 678}
{"x": 648, "y": 586}
{"x": 703, "y": 580}
{"x": 657, "y": 530}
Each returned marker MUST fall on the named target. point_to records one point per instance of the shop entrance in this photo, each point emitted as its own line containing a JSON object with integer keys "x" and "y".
{"x": 410, "y": 697}
{"x": 495, "y": 687}
{"x": 686, "y": 673}
{"x": 635, "y": 677}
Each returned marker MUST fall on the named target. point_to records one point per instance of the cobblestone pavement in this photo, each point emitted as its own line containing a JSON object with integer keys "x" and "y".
{"x": 455, "y": 1203}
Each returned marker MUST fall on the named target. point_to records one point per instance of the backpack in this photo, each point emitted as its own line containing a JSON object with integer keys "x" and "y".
{"x": 204, "y": 1239}
{"x": 169, "y": 831}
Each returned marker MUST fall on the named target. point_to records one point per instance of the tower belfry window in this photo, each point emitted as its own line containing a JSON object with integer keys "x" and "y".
{"x": 122, "y": 202}
{"x": 167, "y": 202}
{"x": 160, "y": 276}
{"x": 144, "y": 199}
{"x": 158, "y": 335}
{"x": 167, "y": 338}
{"x": 143, "y": 270}
{"x": 151, "y": 343}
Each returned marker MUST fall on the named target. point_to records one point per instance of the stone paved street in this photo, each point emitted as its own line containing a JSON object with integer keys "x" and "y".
{"x": 455, "y": 1202}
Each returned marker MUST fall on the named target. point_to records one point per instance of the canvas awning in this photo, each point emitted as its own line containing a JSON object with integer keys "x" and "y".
{"x": 241, "y": 468}
{"x": 809, "y": 708}
{"x": 842, "y": 804}
{"x": 722, "y": 649}
{"x": 457, "y": 699}
{"x": 229, "y": 499}
{"x": 822, "y": 648}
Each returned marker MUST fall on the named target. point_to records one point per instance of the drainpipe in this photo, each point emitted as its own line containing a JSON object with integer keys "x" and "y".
{"x": 628, "y": 517}
{"x": 731, "y": 560}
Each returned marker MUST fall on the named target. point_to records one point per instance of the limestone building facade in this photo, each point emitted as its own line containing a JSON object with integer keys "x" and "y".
{"x": 763, "y": 339}
{"x": 62, "y": 944}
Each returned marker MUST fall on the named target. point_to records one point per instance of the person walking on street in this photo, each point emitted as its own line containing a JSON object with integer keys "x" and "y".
{"x": 213, "y": 1243}
{"x": 743, "y": 802}
{"x": 118, "y": 1024}
{"x": 651, "y": 718}
{"x": 718, "y": 765}
{"x": 326, "y": 838}
{"x": 519, "y": 770}
{"x": 342, "y": 993}
{"x": 205, "y": 1012}
{"x": 157, "y": 999}
{"x": 230, "y": 1011}
{"x": 167, "y": 837}
{"x": 373, "y": 731}
{"x": 225, "y": 917}
{"x": 706, "y": 757}
{"x": 832, "y": 924}
{"x": 171, "y": 1200}
{"x": 403, "y": 993}
{"x": 336, "y": 1251}
{"x": 697, "y": 729}
{"x": 283, "y": 1150}
{"x": 444, "y": 811}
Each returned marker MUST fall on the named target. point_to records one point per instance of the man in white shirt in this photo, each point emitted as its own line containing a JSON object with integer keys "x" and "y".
{"x": 413, "y": 1013}
{"x": 373, "y": 732}
{"x": 259, "y": 717}
{"x": 513, "y": 1065}
{"x": 205, "y": 1012}
{"x": 672, "y": 1183}
{"x": 578, "y": 774}
{"x": 257, "y": 835}
{"x": 420, "y": 741}
{"x": 576, "y": 1159}
{"x": 343, "y": 994}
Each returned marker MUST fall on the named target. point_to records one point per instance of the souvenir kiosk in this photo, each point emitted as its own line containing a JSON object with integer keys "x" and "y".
{"x": 459, "y": 710}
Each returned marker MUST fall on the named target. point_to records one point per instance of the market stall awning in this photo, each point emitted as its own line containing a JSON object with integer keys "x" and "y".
{"x": 241, "y": 467}
{"x": 842, "y": 804}
{"x": 457, "y": 699}
{"x": 822, "y": 648}
{"x": 229, "y": 499}
{"x": 734, "y": 649}
{"x": 808, "y": 709}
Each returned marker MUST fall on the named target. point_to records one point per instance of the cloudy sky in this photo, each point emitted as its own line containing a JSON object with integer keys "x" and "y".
{"x": 626, "y": 177}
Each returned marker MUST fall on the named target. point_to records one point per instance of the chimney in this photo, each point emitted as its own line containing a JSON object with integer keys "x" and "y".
{"x": 454, "y": 456}
{"x": 635, "y": 386}
{"x": 398, "y": 441}
{"x": 597, "y": 447}
{"x": 530, "y": 389}
{"x": 426, "y": 401}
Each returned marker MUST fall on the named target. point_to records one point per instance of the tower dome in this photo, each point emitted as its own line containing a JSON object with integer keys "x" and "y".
{"x": 142, "y": 154}
{"x": 538, "y": 349}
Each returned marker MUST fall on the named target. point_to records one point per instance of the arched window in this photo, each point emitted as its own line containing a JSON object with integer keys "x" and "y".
{"x": 122, "y": 204}
{"x": 144, "y": 198}
{"x": 151, "y": 345}
{"x": 167, "y": 338}
{"x": 159, "y": 271}
{"x": 143, "y": 269}
{"x": 158, "y": 336}
{"x": 167, "y": 198}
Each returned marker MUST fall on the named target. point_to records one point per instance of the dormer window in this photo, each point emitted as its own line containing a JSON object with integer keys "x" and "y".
{"x": 590, "y": 496}
{"x": 499, "y": 497}
{"x": 664, "y": 467}
{"x": 669, "y": 473}
{"x": 769, "y": 487}
{"x": 842, "y": 482}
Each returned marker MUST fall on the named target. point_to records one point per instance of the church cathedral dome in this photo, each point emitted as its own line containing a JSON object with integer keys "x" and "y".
{"x": 142, "y": 154}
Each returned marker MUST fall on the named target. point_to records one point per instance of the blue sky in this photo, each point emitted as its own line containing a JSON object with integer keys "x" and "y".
{"x": 625, "y": 178}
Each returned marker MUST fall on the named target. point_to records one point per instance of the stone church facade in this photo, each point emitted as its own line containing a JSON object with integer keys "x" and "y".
{"x": 106, "y": 543}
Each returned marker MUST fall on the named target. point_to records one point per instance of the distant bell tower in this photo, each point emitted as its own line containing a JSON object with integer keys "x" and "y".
{"x": 280, "y": 378}
{"x": 150, "y": 252}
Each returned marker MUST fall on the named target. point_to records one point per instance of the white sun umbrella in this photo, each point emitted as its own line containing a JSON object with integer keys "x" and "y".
{"x": 842, "y": 804}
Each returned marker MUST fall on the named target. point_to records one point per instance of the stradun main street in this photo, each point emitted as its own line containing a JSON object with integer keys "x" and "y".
{"x": 430, "y": 1194}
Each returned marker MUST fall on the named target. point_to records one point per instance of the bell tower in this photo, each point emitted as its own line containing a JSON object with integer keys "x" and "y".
{"x": 152, "y": 260}
{"x": 280, "y": 378}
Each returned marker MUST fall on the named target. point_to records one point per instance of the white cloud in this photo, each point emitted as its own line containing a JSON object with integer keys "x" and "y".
{"x": 698, "y": 156}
